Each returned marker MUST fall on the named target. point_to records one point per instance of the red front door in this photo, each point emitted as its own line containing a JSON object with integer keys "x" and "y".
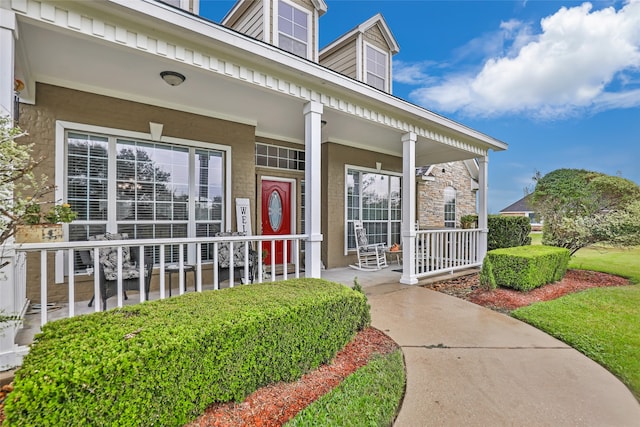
{"x": 276, "y": 217}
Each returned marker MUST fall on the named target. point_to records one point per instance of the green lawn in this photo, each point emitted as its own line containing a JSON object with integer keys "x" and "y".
{"x": 618, "y": 261}
{"x": 536, "y": 238}
{"x": 368, "y": 397}
{"x": 602, "y": 323}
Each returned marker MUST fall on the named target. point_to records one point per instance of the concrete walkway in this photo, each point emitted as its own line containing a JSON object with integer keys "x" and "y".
{"x": 467, "y": 365}
{"x": 470, "y": 366}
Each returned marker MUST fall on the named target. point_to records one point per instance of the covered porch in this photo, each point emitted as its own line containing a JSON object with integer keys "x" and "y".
{"x": 34, "y": 316}
{"x": 237, "y": 92}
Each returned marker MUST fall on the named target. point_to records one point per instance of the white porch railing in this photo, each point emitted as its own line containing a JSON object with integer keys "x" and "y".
{"x": 69, "y": 249}
{"x": 441, "y": 251}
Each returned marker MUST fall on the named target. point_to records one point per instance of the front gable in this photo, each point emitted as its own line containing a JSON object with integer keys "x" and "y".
{"x": 364, "y": 53}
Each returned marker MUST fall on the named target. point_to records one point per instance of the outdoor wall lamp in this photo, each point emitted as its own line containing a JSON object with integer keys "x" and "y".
{"x": 172, "y": 78}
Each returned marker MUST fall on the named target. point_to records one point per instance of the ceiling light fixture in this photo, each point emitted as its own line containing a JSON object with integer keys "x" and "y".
{"x": 172, "y": 78}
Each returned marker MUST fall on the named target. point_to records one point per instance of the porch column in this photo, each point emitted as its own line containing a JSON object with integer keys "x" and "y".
{"x": 409, "y": 209}
{"x": 7, "y": 50}
{"x": 12, "y": 279}
{"x": 482, "y": 207}
{"x": 312, "y": 176}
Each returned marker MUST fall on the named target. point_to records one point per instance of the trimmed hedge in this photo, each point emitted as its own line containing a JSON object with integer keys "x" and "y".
{"x": 524, "y": 267}
{"x": 505, "y": 231}
{"x": 508, "y": 231}
{"x": 164, "y": 362}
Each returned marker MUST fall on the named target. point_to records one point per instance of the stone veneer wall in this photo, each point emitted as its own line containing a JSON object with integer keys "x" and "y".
{"x": 430, "y": 201}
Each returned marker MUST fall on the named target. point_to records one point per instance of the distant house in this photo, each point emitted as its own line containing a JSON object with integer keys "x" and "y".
{"x": 523, "y": 208}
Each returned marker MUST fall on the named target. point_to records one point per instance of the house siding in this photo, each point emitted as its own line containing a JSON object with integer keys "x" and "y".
{"x": 56, "y": 103}
{"x": 374, "y": 36}
{"x": 430, "y": 200}
{"x": 334, "y": 159}
{"x": 250, "y": 22}
{"x": 342, "y": 60}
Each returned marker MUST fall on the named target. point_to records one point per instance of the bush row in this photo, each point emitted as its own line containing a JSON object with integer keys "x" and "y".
{"x": 506, "y": 231}
{"x": 164, "y": 362}
{"x": 524, "y": 267}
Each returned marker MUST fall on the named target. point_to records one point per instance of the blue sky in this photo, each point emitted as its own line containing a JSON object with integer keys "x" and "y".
{"x": 559, "y": 81}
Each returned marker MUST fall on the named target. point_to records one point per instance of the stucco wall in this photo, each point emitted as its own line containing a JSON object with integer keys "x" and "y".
{"x": 56, "y": 103}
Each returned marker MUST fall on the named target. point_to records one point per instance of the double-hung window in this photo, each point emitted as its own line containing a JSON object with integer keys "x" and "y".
{"x": 145, "y": 189}
{"x": 293, "y": 29}
{"x": 375, "y": 199}
{"x": 376, "y": 68}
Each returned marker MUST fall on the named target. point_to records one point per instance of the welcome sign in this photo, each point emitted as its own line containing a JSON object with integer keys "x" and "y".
{"x": 243, "y": 216}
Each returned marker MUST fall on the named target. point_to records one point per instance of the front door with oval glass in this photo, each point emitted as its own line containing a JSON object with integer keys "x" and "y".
{"x": 276, "y": 217}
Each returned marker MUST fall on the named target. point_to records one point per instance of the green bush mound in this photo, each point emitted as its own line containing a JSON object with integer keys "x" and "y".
{"x": 505, "y": 231}
{"x": 164, "y": 362}
{"x": 508, "y": 231}
{"x": 524, "y": 267}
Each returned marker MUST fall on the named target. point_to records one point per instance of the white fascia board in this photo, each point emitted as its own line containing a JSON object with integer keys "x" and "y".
{"x": 473, "y": 168}
{"x": 320, "y": 5}
{"x": 386, "y": 32}
{"x": 236, "y": 7}
{"x": 260, "y": 54}
{"x": 339, "y": 42}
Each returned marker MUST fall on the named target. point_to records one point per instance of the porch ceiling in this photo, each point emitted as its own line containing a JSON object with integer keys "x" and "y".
{"x": 50, "y": 55}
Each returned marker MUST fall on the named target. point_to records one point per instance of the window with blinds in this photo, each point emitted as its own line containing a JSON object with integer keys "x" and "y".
{"x": 147, "y": 190}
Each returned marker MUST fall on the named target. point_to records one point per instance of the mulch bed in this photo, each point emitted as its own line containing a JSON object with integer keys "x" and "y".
{"x": 275, "y": 404}
{"x": 504, "y": 300}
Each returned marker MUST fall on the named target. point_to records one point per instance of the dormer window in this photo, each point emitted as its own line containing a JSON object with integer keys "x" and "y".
{"x": 188, "y": 5}
{"x": 376, "y": 68}
{"x": 293, "y": 29}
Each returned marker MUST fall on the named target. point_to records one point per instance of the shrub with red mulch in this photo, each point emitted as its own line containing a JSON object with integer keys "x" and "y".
{"x": 275, "y": 404}
{"x": 504, "y": 300}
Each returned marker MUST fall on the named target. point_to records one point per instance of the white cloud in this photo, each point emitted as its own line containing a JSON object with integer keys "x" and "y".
{"x": 572, "y": 65}
{"x": 412, "y": 73}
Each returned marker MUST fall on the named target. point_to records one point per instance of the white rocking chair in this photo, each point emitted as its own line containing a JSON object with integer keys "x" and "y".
{"x": 370, "y": 256}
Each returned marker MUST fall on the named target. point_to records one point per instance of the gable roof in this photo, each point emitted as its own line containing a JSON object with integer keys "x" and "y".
{"x": 378, "y": 20}
{"x": 522, "y": 205}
